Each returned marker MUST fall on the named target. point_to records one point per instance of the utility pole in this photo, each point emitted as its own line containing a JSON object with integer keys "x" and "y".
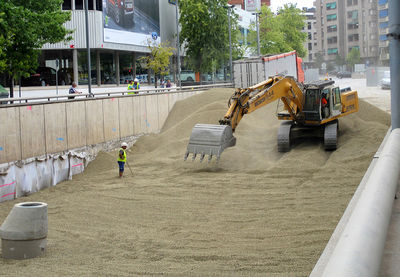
{"x": 178, "y": 46}
{"x": 394, "y": 51}
{"x": 258, "y": 33}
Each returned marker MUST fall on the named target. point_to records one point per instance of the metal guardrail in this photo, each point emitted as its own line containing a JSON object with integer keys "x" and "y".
{"x": 22, "y": 101}
{"x": 358, "y": 249}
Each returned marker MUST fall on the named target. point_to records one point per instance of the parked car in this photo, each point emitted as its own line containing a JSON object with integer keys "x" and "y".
{"x": 385, "y": 82}
{"x": 343, "y": 74}
{"x": 121, "y": 11}
{"x": 46, "y": 76}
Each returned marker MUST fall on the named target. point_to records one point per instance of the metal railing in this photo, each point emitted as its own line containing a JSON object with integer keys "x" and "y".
{"x": 18, "y": 101}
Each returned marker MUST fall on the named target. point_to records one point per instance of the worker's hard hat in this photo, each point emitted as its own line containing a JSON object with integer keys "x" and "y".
{"x": 136, "y": 80}
{"x": 124, "y": 144}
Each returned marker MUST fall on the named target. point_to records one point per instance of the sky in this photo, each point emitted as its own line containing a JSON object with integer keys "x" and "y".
{"x": 300, "y": 3}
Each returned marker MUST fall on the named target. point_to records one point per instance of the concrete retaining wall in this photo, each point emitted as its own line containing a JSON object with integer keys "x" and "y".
{"x": 43, "y": 129}
{"x": 44, "y": 144}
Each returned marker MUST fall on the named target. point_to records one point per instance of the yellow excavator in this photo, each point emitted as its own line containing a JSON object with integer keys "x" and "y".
{"x": 310, "y": 109}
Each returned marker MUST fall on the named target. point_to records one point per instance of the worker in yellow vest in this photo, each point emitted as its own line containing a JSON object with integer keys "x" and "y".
{"x": 122, "y": 158}
{"x": 134, "y": 85}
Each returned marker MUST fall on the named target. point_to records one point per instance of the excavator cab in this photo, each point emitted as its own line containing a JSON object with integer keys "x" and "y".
{"x": 321, "y": 101}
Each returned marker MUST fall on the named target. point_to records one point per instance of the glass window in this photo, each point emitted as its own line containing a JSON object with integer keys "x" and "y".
{"x": 382, "y": 2}
{"x": 383, "y": 37}
{"x": 332, "y": 28}
{"x": 383, "y": 13}
{"x": 78, "y": 4}
{"x": 331, "y": 6}
{"x": 356, "y": 47}
{"x": 66, "y": 5}
{"x": 99, "y": 5}
{"x": 384, "y": 25}
{"x": 331, "y": 17}
{"x": 332, "y": 51}
{"x": 352, "y": 14}
{"x": 337, "y": 95}
{"x": 83, "y": 68}
{"x": 332, "y": 40}
{"x": 352, "y": 26}
{"x": 107, "y": 68}
{"x": 312, "y": 100}
{"x": 126, "y": 68}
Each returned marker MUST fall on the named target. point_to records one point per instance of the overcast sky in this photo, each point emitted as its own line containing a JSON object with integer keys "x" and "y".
{"x": 300, "y": 3}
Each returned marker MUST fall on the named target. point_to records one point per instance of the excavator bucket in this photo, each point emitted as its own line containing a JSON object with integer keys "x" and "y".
{"x": 211, "y": 140}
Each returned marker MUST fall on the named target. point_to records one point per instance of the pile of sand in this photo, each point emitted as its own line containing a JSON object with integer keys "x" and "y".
{"x": 255, "y": 213}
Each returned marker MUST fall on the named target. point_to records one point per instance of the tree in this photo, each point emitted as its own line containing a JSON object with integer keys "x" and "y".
{"x": 204, "y": 33}
{"x": 159, "y": 58}
{"x": 26, "y": 26}
{"x": 353, "y": 57}
{"x": 339, "y": 60}
{"x": 281, "y": 32}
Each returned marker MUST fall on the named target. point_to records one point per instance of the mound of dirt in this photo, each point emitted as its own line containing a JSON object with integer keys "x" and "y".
{"x": 257, "y": 212}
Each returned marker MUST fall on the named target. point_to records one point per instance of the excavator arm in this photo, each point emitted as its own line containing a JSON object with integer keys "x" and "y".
{"x": 211, "y": 140}
{"x": 248, "y": 100}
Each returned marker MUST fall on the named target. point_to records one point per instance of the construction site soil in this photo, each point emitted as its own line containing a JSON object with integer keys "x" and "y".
{"x": 256, "y": 212}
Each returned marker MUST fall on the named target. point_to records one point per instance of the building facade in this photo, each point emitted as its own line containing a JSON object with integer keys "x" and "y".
{"x": 310, "y": 29}
{"x": 119, "y": 32}
{"x": 383, "y": 21}
{"x": 346, "y": 24}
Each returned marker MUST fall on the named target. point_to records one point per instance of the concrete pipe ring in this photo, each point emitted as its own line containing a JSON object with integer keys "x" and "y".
{"x": 24, "y": 231}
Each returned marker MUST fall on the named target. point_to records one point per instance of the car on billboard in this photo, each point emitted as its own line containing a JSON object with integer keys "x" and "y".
{"x": 121, "y": 11}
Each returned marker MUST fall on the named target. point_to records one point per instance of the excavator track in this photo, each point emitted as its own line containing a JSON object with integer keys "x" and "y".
{"x": 284, "y": 136}
{"x": 330, "y": 135}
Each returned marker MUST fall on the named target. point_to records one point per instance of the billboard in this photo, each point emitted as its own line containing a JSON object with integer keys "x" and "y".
{"x": 131, "y": 21}
{"x": 252, "y": 5}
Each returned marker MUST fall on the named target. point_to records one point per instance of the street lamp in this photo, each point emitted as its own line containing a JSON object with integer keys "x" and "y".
{"x": 229, "y": 7}
{"x": 178, "y": 46}
{"x": 258, "y": 33}
{"x": 88, "y": 48}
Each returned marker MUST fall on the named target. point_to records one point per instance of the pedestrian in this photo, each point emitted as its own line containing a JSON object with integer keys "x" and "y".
{"x": 73, "y": 90}
{"x": 122, "y": 158}
{"x": 168, "y": 84}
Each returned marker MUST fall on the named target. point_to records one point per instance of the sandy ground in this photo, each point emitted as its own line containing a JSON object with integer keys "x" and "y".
{"x": 255, "y": 213}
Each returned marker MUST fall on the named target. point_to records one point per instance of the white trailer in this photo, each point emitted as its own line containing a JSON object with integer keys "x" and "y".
{"x": 250, "y": 71}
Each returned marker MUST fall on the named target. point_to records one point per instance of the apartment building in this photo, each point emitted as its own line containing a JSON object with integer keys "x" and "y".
{"x": 346, "y": 24}
{"x": 310, "y": 29}
{"x": 383, "y": 21}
